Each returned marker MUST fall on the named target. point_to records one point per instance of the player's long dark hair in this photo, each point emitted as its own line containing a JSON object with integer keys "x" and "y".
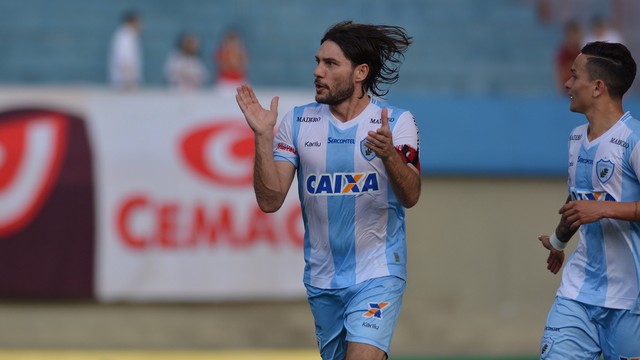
{"x": 381, "y": 47}
{"x": 613, "y": 64}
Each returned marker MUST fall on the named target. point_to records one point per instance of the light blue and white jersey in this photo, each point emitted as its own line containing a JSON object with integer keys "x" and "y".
{"x": 354, "y": 225}
{"x": 604, "y": 270}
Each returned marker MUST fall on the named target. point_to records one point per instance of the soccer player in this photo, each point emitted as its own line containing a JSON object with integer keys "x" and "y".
{"x": 358, "y": 169}
{"x": 597, "y": 307}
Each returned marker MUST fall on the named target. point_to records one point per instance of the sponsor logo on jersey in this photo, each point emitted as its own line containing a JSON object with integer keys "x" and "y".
{"x": 620, "y": 142}
{"x": 342, "y": 183}
{"x": 332, "y": 140}
{"x": 312, "y": 144}
{"x": 605, "y": 169}
{"x": 308, "y": 119}
{"x": 366, "y": 152}
{"x": 285, "y": 147}
{"x": 590, "y": 195}
{"x": 375, "y": 310}
{"x": 582, "y": 160}
{"x": 575, "y": 137}
{"x": 379, "y": 120}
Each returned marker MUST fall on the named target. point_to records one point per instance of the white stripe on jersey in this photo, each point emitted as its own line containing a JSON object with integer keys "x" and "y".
{"x": 354, "y": 226}
{"x": 604, "y": 269}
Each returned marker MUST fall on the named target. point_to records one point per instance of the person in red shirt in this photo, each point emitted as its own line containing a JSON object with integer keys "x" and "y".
{"x": 567, "y": 51}
{"x": 231, "y": 59}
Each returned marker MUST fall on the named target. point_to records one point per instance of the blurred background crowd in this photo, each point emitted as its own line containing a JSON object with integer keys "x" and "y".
{"x": 497, "y": 47}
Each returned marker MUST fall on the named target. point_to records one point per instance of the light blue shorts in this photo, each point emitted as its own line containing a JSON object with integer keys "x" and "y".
{"x": 579, "y": 331}
{"x": 364, "y": 313}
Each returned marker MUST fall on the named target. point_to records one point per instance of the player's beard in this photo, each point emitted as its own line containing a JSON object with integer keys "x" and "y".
{"x": 337, "y": 95}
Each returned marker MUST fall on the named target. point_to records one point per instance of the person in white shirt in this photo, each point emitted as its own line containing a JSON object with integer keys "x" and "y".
{"x": 601, "y": 31}
{"x": 125, "y": 54}
{"x": 184, "y": 70}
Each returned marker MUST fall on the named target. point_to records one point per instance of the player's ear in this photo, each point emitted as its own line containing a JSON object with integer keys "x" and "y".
{"x": 361, "y": 72}
{"x": 599, "y": 88}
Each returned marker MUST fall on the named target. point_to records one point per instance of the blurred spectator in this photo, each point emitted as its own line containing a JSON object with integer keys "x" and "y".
{"x": 125, "y": 55}
{"x": 231, "y": 59}
{"x": 563, "y": 11}
{"x": 600, "y": 31}
{"x": 566, "y": 52}
{"x": 183, "y": 68}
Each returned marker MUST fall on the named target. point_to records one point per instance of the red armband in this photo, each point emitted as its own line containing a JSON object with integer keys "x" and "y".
{"x": 409, "y": 155}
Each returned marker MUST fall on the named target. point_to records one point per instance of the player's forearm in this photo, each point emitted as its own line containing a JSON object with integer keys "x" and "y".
{"x": 563, "y": 231}
{"x": 629, "y": 211}
{"x": 404, "y": 179}
{"x": 266, "y": 182}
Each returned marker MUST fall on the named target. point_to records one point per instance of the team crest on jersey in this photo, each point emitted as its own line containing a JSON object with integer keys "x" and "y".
{"x": 366, "y": 152}
{"x": 342, "y": 183}
{"x": 605, "y": 168}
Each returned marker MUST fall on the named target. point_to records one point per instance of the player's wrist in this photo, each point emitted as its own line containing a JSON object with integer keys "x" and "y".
{"x": 556, "y": 243}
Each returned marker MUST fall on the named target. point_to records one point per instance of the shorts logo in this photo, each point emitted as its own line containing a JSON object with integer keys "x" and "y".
{"x": 629, "y": 358}
{"x": 605, "y": 170}
{"x": 366, "y": 152}
{"x": 545, "y": 347}
{"x": 375, "y": 310}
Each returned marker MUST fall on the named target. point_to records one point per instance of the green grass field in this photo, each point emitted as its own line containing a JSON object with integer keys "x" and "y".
{"x": 196, "y": 355}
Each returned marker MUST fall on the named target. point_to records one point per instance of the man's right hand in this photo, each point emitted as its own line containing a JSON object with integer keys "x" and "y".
{"x": 556, "y": 257}
{"x": 261, "y": 120}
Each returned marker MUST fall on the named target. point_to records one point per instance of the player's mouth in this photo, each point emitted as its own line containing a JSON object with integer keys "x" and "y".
{"x": 320, "y": 86}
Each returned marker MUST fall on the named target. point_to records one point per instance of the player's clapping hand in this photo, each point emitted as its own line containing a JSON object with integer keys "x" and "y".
{"x": 260, "y": 120}
{"x": 381, "y": 140}
{"x": 555, "y": 258}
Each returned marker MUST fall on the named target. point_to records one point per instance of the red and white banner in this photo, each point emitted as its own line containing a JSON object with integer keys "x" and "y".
{"x": 172, "y": 207}
{"x": 177, "y": 216}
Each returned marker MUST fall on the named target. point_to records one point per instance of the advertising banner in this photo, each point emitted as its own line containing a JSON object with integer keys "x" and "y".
{"x": 143, "y": 196}
{"x": 177, "y": 217}
{"x": 46, "y": 205}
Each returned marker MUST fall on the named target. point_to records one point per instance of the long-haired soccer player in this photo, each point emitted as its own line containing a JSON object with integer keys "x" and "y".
{"x": 358, "y": 169}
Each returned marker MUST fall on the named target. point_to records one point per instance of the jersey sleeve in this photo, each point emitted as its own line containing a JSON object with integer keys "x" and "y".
{"x": 406, "y": 139}
{"x": 284, "y": 148}
{"x": 634, "y": 159}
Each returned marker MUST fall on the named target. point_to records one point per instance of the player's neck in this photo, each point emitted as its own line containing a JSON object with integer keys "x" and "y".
{"x": 602, "y": 118}
{"x": 350, "y": 108}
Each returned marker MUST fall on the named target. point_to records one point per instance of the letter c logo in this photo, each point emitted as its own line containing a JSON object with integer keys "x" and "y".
{"x": 221, "y": 152}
